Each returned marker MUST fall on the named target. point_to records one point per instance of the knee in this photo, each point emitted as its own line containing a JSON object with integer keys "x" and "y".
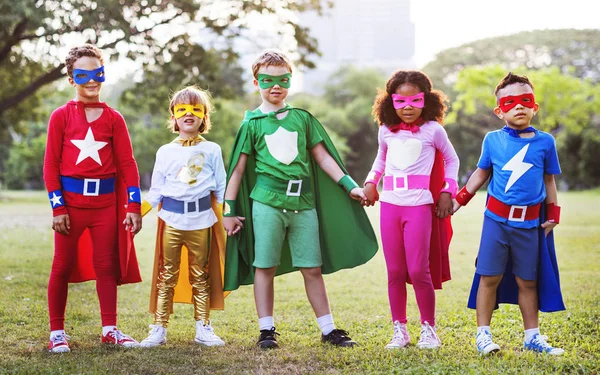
{"x": 420, "y": 276}
{"x": 311, "y": 273}
{"x": 530, "y": 285}
{"x": 490, "y": 282}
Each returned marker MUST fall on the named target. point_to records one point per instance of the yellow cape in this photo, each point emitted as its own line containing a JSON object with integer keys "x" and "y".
{"x": 216, "y": 260}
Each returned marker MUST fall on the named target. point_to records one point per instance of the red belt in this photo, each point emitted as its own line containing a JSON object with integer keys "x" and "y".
{"x": 513, "y": 213}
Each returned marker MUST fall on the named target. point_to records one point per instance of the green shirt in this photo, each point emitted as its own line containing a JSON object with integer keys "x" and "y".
{"x": 281, "y": 149}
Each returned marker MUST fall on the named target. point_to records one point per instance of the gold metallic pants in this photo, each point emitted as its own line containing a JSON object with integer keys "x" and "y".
{"x": 198, "y": 245}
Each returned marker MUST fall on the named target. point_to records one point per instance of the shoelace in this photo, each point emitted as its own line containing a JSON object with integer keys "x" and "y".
{"x": 398, "y": 333}
{"x": 118, "y": 336}
{"x": 60, "y": 338}
{"x": 428, "y": 334}
{"x": 541, "y": 341}
{"x": 155, "y": 332}
{"x": 485, "y": 340}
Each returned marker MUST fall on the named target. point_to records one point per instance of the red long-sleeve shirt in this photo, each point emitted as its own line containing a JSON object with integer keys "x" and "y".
{"x": 81, "y": 149}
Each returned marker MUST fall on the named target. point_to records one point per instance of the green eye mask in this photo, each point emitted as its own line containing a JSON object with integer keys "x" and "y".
{"x": 266, "y": 81}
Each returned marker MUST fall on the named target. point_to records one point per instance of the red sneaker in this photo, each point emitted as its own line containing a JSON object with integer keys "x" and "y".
{"x": 59, "y": 344}
{"x": 117, "y": 337}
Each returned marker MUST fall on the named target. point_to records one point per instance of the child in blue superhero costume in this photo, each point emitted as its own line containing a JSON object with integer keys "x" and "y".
{"x": 517, "y": 246}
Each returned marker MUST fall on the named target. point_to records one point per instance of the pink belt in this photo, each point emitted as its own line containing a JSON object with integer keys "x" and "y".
{"x": 404, "y": 182}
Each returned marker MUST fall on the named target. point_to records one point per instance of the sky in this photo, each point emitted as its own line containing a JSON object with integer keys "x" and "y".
{"x": 441, "y": 24}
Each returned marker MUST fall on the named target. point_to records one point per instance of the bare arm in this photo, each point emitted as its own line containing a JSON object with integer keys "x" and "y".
{"x": 233, "y": 224}
{"x": 476, "y": 181}
{"x": 332, "y": 169}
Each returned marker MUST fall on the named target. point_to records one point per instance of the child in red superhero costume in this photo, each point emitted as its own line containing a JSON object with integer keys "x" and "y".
{"x": 92, "y": 181}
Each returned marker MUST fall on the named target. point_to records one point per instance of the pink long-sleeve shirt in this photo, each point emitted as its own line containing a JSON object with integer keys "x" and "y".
{"x": 407, "y": 153}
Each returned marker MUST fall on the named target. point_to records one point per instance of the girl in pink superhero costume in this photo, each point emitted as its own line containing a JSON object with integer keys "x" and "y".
{"x": 419, "y": 168}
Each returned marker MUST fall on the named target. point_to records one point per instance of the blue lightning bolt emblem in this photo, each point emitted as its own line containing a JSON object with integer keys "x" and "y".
{"x": 517, "y": 166}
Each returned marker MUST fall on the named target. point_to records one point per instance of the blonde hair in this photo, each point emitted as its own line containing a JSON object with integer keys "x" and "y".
{"x": 270, "y": 57}
{"x": 78, "y": 52}
{"x": 191, "y": 95}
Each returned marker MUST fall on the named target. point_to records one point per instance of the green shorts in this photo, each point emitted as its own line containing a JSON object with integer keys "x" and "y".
{"x": 273, "y": 225}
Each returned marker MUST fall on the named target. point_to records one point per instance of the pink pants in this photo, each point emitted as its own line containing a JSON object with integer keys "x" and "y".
{"x": 102, "y": 223}
{"x": 405, "y": 235}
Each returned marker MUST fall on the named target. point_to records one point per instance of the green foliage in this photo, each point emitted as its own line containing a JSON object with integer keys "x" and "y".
{"x": 358, "y": 299}
{"x": 568, "y": 108}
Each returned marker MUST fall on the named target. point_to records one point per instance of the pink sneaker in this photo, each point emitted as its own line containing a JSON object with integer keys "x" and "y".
{"x": 400, "y": 338}
{"x": 59, "y": 344}
{"x": 429, "y": 338}
{"x": 117, "y": 337}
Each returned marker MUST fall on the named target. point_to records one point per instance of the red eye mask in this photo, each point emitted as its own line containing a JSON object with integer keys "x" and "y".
{"x": 507, "y": 103}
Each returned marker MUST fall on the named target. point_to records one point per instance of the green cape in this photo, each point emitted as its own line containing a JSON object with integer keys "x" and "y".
{"x": 347, "y": 237}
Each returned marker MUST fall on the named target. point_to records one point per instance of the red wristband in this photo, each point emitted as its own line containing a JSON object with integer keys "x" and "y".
{"x": 463, "y": 196}
{"x": 553, "y": 213}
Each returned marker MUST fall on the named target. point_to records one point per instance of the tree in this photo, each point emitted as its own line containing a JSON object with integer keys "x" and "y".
{"x": 33, "y": 34}
{"x": 568, "y": 109}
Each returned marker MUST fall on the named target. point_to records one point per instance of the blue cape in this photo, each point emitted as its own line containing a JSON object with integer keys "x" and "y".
{"x": 548, "y": 282}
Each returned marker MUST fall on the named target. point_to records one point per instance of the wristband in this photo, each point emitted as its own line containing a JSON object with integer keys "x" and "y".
{"x": 134, "y": 195}
{"x": 450, "y": 186}
{"x": 463, "y": 197}
{"x": 229, "y": 208}
{"x": 56, "y": 199}
{"x": 553, "y": 213}
{"x": 347, "y": 183}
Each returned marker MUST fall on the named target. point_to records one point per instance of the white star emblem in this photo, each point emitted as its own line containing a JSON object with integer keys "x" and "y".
{"x": 88, "y": 147}
{"x": 55, "y": 199}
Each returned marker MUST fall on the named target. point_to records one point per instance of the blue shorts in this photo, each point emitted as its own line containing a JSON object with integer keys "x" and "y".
{"x": 501, "y": 242}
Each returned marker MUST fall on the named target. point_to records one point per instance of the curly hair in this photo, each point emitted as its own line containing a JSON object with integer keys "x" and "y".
{"x": 511, "y": 79}
{"x": 384, "y": 112}
{"x": 270, "y": 57}
{"x": 78, "y": 52}
{"x": 191, "y": 95}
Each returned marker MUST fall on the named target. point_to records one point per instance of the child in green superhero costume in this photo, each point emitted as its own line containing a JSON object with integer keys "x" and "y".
{"x": 287, "y": 206}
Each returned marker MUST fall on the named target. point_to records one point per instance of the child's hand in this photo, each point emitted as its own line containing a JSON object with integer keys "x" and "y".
{"x": 444, "y": 206}
{"x": 357, "y": 194}
{"x": 455, "y": 205}
{"x": 233, "y": 224}
{"x": 371, "y": 193}
{"x": 61, "y": 224}
{"x": 548, "y": 226}
{"x": 133, "y": 222}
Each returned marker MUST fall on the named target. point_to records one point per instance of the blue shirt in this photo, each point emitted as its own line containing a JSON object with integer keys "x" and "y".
{"x": 518, "y": 169}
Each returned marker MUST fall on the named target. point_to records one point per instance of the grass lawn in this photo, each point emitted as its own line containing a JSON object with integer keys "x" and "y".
{"x": 358, "y": 300}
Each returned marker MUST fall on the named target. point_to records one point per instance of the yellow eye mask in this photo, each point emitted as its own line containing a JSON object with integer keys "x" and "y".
{"x": 181, "y": 110}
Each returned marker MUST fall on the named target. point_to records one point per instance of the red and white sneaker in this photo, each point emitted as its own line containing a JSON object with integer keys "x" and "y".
{"x": 59, "y": 344}
{"x": 117, "y": 337}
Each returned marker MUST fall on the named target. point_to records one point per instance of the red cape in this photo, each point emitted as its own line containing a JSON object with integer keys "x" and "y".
{"x": 127, "y": 268}
{"x": 441, "y": 230}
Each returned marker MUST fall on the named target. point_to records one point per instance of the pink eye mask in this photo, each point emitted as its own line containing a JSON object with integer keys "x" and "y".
{"x": 416, "y": 101}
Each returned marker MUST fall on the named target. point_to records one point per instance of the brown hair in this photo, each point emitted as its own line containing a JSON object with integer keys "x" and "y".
{"x": 78, "y": 52}
{"x": 270, "y": 57}
{"x": 510, "y": 79}
{"x": 191, "y": 95}
{"x": 383, "y": 108}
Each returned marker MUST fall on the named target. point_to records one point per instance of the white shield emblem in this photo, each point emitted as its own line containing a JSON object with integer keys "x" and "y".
{"x": 283, "y": 145}
{"x": 404, "y": 153}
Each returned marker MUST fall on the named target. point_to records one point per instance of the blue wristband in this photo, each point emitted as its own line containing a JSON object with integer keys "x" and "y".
{"x": 134, "y": 195}
{"x": 56, "y": 199}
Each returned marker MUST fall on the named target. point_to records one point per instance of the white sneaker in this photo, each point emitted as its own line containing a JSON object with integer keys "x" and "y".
{"x": 205, "y": 335}
{"x": 429, "y": 339}
{"x": 400, "y": 338}
{"x": 157, "y": 336}
{"x": 59, "y": 344}
{"x": 485, "y": 345}
{"x": 538, "y": 344}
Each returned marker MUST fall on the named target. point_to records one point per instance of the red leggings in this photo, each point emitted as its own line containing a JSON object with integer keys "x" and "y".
{"x": 102, "y": 223}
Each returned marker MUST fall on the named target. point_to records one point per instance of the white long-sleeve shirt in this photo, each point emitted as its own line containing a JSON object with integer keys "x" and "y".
{"x": 187, "y": 174}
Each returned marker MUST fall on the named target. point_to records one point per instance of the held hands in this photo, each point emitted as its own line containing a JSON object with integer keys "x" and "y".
{"x": 133, "y": 222}
{"x": 371, "y": 194}
{"x": 233, "y": 224}
{"x": 455, "y": 205}
{"x": 357, "y": 194}
{"x": 444, "y": 206}
{"x": 61, "y": 224}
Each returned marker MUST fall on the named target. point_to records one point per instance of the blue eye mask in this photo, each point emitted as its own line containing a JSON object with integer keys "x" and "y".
{"x": 82, "y": 76}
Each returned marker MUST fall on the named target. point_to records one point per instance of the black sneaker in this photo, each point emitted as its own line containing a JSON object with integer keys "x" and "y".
{"x": 267, "y": 339}
{"x": 338, "y": 337}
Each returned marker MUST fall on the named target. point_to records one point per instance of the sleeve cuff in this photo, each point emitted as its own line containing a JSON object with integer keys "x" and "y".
{"x": 373, "y": 177}
{"x": 347, "y": 183}
{"x": 450, "y": 186}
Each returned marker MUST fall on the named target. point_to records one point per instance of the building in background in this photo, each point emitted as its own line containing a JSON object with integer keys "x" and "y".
{"x": 364, "y": 33}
